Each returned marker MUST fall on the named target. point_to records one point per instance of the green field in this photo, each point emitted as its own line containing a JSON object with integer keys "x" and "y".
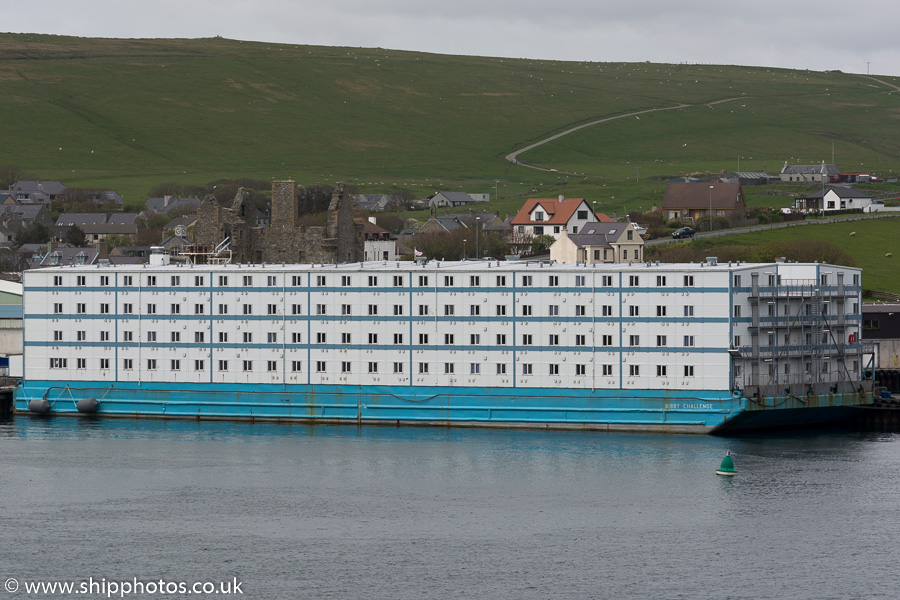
{"x": 131, "y": 114}
{"x": 873, "y": 240}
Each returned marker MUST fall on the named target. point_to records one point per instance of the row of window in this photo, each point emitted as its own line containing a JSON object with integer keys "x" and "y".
{"x": 347, "y": 338}
{"x": 396, "y": 281}
{"x": 296, "y": 366}
{"x": 526, "y": 310}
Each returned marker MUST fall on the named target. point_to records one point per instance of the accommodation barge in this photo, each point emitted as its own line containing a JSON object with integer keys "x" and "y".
{"x": 640, "y": 347}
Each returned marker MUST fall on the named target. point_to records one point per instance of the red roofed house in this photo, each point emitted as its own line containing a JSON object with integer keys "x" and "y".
{"x": 539, "y": 216}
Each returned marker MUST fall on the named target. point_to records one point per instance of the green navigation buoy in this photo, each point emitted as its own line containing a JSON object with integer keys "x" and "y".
{"x": 727, "y": 466}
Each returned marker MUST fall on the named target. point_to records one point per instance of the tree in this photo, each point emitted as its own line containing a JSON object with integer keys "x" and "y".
{"x": 36, "y": 233}
{"x": 75, "y": 236}
{"x": 541, "y": 243}
{"x": 9, "y": 174}
{"x": 115, "y": 240}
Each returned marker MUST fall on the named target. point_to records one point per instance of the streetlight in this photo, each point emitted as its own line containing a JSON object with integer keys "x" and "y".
{"x": 477, "y": 225}
{"x": 464, "y": 248}
{"x": 710, "y": 207}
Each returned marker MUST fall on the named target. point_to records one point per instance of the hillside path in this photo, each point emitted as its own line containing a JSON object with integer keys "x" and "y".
{"x": 514, "y": 156}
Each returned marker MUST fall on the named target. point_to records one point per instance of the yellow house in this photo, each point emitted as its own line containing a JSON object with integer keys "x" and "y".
{"x": 601, "y": 243}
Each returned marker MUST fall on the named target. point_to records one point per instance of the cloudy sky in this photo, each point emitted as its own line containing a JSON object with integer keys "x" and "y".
{"x": 796, "y": 34}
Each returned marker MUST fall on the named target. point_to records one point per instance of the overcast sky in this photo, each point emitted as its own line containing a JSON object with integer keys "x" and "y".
{"x": 796, "y": 34}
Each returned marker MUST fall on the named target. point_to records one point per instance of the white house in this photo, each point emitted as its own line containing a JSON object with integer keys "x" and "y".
{"x": 542, "y": 216}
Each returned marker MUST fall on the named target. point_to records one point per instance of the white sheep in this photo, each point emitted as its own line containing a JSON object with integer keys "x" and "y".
{"x": 852, "y": 233}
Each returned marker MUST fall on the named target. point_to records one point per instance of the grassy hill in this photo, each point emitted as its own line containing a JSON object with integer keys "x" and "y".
{"x": 129, "y": 114}
{"x": 873, "y": 240}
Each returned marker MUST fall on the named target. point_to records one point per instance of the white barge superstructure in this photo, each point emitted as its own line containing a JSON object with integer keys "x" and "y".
{"x": 663, "y": 347}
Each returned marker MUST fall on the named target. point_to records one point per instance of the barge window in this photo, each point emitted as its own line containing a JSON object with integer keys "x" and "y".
{"x": 501, "y": 369}
{"x": 398, "y": 367}
{"x": 608, "y": 370}
{"x": 175, "y": 365}
{"x": 296, "y": 366}
{"x": 661, "y": 370}
{"x": 634, "y": 370}
{"x": 248, "y": 337}
{"x": 688, "y": 370}
{"x": 127, "y": 364}
{"x": 554, "y": 369}
{"x": 271, "y": 365}
{"x": 580, "y": 369}
{"x": 526, "y": 369}
{"x": 199, "y": 365}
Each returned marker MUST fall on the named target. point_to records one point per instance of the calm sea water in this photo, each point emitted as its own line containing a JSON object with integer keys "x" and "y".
{"x": 346, "y": 512}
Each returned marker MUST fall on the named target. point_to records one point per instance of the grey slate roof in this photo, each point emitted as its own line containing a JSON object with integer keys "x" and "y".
{"x": 167, "y": 203}
{"x": 25, "y": 212}
{"x": 93, "y": 219}
{"x": 598, "y": 234}
{"x": 51, "y": 188}
{"x": 809, "y": 169}
{"x": 841, "y": 192}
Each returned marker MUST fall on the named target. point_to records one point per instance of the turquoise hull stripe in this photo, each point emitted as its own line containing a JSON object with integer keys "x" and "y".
{"x": 659, "y": 409}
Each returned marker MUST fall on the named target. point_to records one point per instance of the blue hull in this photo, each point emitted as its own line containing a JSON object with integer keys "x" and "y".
{"x": 619, "y": 410}
{"x": 610, "y": 410}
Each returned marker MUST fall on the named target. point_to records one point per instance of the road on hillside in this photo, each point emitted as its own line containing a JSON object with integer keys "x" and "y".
{"x": 514, "y": 156}
{"x": 721, "y": 232}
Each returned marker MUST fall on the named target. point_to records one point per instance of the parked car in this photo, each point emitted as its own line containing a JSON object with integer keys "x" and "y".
{"x": 684, "y": 232}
